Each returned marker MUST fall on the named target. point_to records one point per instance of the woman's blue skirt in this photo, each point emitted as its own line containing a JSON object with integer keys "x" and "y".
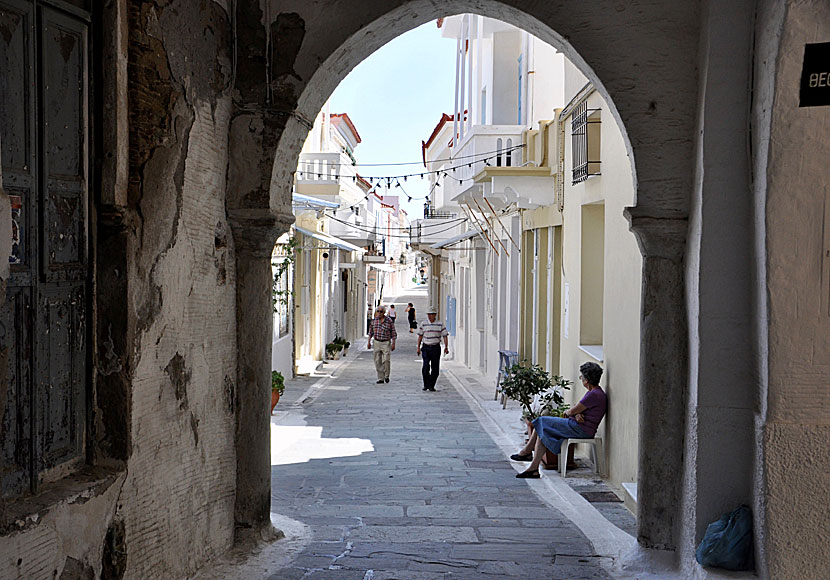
{"x": 553, "y": 430}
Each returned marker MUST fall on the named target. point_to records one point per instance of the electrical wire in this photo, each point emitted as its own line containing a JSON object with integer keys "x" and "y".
{"x": 438, "y": 160}
{"x": 420, "y": 174}
{"x": 377, "y": 231}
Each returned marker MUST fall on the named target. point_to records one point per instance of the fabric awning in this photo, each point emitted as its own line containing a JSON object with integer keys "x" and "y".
{"x": 455, "y": 239}
{"x": 330, "y": 240}
{"x": 299, "y": 200}
{"x": 383, "y": 267}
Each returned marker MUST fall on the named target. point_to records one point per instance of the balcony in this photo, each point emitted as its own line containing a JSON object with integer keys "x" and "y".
{"x": 427, "y": 232}
{"x": 353, "y": 227}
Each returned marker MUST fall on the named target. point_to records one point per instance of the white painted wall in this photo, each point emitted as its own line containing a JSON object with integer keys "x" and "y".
{"x": 622, "y": 288}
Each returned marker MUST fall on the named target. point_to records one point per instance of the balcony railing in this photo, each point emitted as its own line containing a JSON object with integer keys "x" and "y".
{"x": 483, "y": 145}
{"x": 431, "y": 213}
{"x": 324, "y": 167}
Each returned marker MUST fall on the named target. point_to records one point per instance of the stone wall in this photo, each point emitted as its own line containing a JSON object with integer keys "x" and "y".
{"x": 796, "y": 473}
{"x": 167, "y": 313}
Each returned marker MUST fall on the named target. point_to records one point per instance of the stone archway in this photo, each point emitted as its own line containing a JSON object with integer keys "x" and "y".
{"x": 651, "y": 86}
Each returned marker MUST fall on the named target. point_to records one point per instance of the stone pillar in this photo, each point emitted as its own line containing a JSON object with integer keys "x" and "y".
{"x": 255, "y": 231}
{"x": 663, "y": 379}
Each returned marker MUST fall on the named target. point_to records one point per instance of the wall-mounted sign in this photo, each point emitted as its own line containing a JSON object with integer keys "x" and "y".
{"x": 815, "y": 76}
{"x": 372, "y": 280}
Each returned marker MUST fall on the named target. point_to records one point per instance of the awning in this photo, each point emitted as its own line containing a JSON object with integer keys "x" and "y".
{"x": 383, "y": 267}
{"x": 455, "y": 239}
{"x": 299, "y": 200}
{"x": 330, "y": 240}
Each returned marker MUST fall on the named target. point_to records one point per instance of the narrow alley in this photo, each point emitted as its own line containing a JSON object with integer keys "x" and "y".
{"x": 395, "y": 482}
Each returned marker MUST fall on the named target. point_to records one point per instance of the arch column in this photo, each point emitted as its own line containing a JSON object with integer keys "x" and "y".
{"x": 255, "y": 231}
{"x": 663, "y": 378}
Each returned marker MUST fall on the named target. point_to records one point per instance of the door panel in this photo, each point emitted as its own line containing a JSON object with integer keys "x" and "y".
{"x": 15, "y": 428}
{"x": 61, "y": 376}
{"x": 17, "y": 130}
{"x": 64, "y": 142}
{"x": 44, "y": 135}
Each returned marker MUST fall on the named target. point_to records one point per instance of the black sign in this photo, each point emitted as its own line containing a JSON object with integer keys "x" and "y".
{"x": 815, "y": 76}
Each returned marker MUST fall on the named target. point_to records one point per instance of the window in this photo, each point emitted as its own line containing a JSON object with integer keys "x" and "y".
{"x": 498, "y": 151}
{"x": 585, "y": 139}
{"x": 508, "y": 155}
{"x": 44, "y": 319}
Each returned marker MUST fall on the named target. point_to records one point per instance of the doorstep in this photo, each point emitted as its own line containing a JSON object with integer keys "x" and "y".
{"x": 630, "y": 496}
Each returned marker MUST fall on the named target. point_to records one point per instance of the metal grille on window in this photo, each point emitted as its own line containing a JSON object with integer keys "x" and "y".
{"x": 579, "y": 137}
{"x": 585, "y": 135}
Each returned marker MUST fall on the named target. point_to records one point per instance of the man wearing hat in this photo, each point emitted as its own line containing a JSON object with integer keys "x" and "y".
{"x": 382, "y": 330}
{"x": 430, "y": 334}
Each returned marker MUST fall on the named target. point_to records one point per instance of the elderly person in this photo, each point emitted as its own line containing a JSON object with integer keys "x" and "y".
{"x": 578, "y": 422}
{"x": 382, "y": 330}
{"x": 428, "y": 346}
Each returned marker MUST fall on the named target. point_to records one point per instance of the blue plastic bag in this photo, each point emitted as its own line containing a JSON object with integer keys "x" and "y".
{"x": 727, "y": 542}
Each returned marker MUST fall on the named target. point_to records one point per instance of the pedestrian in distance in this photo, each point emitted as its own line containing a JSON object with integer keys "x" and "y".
{"x": 428, "y": 346}
{"x": 393, "y": 313}
{"x": 410, "y": 312}
{"x": 382, "y": 332}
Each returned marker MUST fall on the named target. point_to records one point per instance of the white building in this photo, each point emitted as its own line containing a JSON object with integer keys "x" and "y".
{"x": 543, "y": 264}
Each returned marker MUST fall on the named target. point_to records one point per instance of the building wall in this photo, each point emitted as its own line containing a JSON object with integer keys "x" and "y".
{"x": 620, "y": 290}
{"x": 506, "y": 50}
{"x": 797, "y": 401}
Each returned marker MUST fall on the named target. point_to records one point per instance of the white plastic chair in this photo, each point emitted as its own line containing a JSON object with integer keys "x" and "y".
{"x": 597, "y": 454}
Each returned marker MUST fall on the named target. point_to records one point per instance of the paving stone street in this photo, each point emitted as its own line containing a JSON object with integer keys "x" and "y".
{"x": 398, "y": 483}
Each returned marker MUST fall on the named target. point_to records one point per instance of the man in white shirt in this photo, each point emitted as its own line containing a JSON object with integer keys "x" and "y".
{"x": 430, "y": 334}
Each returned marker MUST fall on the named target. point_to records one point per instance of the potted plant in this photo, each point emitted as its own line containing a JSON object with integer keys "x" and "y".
{"x": 331, "y": 351}
{"x": 523, "y": 383}
{"x": 539, "y": 394}
{"x": 277, "y": 388}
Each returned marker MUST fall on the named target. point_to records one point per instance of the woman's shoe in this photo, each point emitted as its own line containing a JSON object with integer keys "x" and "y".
{"x": 529, "y": 474}
{"x": 519, "y": 457}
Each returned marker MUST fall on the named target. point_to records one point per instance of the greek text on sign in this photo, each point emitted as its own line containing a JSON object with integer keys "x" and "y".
{"x": 815, "y": 76}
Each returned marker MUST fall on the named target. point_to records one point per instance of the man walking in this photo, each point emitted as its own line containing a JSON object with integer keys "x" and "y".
{"x": 430, "y": 334}
{"x": 382, "y": 330}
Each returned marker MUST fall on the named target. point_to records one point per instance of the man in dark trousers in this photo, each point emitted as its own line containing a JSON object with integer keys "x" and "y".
{"x": 430, "y": 334}
{"x": 382, "y": 330}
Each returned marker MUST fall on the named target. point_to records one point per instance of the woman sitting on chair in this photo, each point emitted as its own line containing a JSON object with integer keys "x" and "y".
{"x": 578, "y": 422}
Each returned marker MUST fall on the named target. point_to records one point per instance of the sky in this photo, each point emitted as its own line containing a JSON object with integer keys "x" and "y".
{"x": 395, "y": 98}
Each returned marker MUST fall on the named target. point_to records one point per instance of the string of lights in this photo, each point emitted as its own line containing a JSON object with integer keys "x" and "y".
{"x": 455, "y": 221}
{"x": 434, "y": 160}
{"x": 377, "y": 231}
{"x": 372, "y": 180}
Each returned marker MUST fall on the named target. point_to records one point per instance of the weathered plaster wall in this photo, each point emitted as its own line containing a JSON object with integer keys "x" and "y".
{"x": 178, "y": 498}
{"x": 797, "y": 472}
{"x": 68, "y": 540}
{"x": 165, "y": 242}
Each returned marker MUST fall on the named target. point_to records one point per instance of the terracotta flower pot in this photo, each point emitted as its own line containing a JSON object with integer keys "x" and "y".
{"x": 551, "y": 460}
{"x": 275, "y": 398}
